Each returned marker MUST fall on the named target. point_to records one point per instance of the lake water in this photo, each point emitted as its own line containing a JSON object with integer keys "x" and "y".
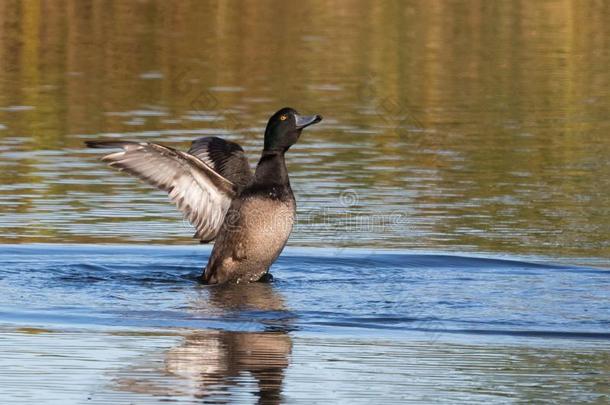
{"x": 453, "y": 234}
{"x": 115, "y": 324}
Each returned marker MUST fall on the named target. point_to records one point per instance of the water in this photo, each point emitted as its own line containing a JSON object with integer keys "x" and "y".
{"x": 471, "y": 127}
{"x": 125, "y": 324}
{"x": 452, "y": 242}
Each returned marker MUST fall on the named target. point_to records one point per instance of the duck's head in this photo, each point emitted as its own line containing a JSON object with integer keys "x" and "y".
{"x": 284, "y": 128}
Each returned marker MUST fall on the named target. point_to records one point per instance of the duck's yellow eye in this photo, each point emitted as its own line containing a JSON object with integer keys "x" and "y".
{"x": 283, "y": 118}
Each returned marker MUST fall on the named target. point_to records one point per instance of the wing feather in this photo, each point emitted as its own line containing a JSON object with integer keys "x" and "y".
{"x": 225, "y": 157}
{"x": 200, "y": 193}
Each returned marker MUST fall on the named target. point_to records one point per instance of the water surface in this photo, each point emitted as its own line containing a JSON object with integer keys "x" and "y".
{"x": 452, "y": 242}
{"x": 124, "y": 324}
{"x": 470, "y": 126}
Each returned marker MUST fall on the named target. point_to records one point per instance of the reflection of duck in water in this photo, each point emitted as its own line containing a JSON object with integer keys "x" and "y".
{"x": 236, "y": 297}
{"x": 216, "y": 365}
{"x": 215, "y": 361}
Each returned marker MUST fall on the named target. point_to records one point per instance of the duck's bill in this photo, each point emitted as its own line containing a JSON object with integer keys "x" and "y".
{"x": 303, "y": 121}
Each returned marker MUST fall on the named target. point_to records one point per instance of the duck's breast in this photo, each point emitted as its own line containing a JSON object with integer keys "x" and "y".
{"x": 267, "y": 224}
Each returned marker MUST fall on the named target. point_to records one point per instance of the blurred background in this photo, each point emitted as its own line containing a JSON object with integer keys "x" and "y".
{"x": 472, "y": 126}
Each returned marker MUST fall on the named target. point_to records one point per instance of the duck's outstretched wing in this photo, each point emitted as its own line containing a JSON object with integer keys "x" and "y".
{"x": 199, "y": 192}
{"x": 225, "y": 157}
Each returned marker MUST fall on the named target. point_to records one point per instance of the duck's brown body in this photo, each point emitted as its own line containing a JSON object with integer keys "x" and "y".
{"x": 252, "y": 237}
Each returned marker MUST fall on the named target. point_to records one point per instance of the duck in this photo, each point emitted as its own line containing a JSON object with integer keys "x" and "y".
{"x": 248, "y": 215}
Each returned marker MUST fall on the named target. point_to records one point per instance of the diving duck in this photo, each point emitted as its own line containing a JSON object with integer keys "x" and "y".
{"x": 248, "y": 215}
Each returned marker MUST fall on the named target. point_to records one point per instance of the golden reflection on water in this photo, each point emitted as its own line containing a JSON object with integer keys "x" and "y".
{"x": 483, "y": 125}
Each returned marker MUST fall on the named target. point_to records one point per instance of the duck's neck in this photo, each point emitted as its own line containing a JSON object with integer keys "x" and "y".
{"x": 271, "y": 169}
